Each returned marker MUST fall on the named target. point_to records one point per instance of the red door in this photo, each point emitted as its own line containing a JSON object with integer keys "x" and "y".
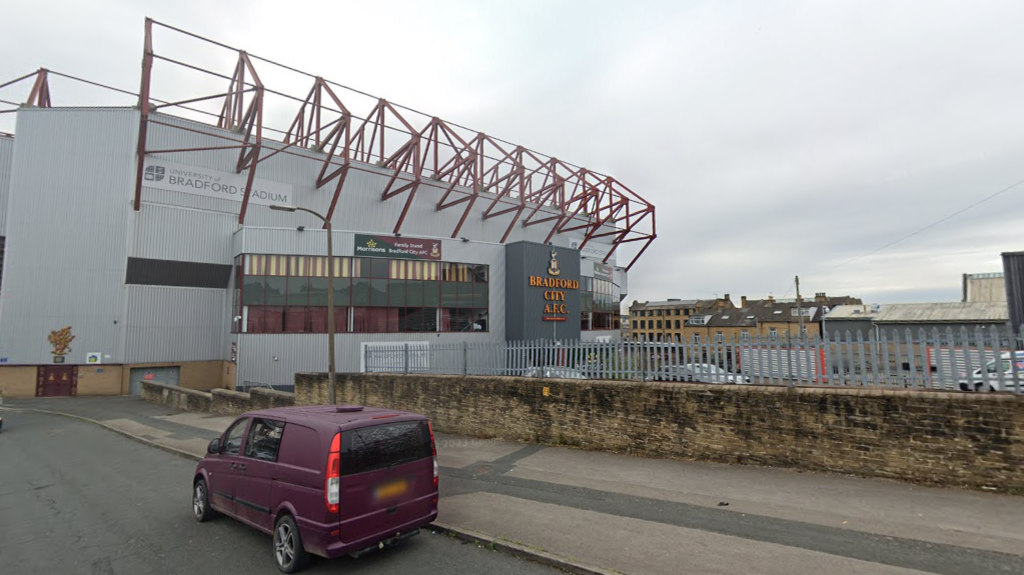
{"x": 56, "y": 380}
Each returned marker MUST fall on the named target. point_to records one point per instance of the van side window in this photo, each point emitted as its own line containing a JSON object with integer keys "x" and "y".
{"x": 379, "y": 446}
{"x": 234, "y": 437}
{"x": 264, "y": 439}
{"x": 301, "y": 447}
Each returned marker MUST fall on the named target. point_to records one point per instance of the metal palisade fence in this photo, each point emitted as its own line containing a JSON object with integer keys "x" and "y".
{"x": 979, "y": 360}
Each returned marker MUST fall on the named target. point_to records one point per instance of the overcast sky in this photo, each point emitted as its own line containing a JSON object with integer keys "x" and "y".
{"x": 775, "y": 138}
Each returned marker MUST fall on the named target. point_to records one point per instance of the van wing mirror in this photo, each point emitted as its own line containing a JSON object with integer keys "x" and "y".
{"x": 214, "y": 446}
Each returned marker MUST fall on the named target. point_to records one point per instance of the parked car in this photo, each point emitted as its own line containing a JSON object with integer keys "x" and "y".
{"x": 323, "y": 480}
{"x": 699, "y": 372}
{"x": 989, "y": 375}
{"x": 554, "y": 371}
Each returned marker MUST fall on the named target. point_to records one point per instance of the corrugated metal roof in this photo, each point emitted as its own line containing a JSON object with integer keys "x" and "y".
{"x": 851, "y": 312}
{"x": 669, "y": 304}
{"x": 954, "y": 312}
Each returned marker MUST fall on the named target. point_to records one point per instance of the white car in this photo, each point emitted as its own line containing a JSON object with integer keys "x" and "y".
{"x": 989, "y": 375}
{"x": 554, "y": 372}
{"x": 699, "y": 372}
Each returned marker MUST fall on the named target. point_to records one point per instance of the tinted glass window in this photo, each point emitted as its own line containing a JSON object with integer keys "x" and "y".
{"x": 234, "y": 437}
{"x": 377, "y": 447}
{"x": 252, "y": 291}
{"x": 264, "y": 439}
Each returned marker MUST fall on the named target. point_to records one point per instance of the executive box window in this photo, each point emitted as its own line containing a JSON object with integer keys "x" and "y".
{"x": 599, "y": 303}
{"x": 288, "y": 294}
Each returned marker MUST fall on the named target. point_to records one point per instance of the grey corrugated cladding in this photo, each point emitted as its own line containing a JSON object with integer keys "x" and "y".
{"x": 6, "y": 156}
{"x": 188, "y": 321}
{"x": 69, "y": 224}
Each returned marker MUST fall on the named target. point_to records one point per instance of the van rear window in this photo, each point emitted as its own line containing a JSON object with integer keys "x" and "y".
{"x": 380, "y": 446}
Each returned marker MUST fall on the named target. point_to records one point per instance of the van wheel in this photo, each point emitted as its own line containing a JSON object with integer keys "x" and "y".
{"x": 289, "y": 554}
{"x": 201, "y": 502}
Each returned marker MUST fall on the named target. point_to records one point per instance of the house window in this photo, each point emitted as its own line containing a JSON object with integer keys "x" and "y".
{"x": 773, "y": 333}
{"x": 288, "y": 294}
{"x": 719, "y": 337}
{"x": 677, "y": 324}
{"x": 659, "y": 324}
{"x": 696, "y": 338}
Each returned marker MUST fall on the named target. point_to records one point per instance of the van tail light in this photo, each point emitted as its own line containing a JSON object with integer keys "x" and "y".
{"x": 433, "y": 450}
{"x": 332, "y": 483}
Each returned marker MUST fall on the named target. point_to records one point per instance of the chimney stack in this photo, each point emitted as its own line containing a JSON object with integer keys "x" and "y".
{"x": 743, "y": 301}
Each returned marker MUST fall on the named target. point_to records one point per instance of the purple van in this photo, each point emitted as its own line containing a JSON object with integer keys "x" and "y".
{"x": 324, "y": 480}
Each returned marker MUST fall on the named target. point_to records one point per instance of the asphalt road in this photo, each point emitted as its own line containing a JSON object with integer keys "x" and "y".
{"x": 76, "y": 498}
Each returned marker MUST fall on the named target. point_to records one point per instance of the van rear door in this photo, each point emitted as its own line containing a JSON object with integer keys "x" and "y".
{"x": 387, "y": 478}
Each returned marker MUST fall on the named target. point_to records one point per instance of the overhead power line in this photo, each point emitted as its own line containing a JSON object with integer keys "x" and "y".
{"x": 925, "y": 228}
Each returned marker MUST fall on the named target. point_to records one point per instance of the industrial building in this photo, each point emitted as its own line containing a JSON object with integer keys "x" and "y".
{"x": 139, "y": 242}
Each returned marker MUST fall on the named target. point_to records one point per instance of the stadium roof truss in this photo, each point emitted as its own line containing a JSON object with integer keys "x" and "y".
{"x": 526, "y": 187}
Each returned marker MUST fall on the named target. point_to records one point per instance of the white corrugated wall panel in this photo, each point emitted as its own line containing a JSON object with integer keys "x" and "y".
{"x": 68, "y": 230}
{"x": 173, "y": 233}
{"x": 6, "y": 157}
{"x": 175, "y": 324}
{"x": 359, "y": 208}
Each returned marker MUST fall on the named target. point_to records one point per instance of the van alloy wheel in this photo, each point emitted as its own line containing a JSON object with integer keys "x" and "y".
{"x": 289, "y": 553}
{"x": 201, "y": 502}
{"x": 284, "y": 545}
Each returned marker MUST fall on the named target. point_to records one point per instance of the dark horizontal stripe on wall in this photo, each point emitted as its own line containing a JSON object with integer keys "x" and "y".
{"x": 147, "y": 272}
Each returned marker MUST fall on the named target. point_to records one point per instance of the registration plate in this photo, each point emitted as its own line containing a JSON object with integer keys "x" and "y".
{"x": 391, "y": 490}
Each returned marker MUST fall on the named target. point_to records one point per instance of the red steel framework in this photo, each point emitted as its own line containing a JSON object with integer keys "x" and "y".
{"x": 526, "y": 187}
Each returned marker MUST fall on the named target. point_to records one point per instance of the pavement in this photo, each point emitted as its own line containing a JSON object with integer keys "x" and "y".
{"x": 593, "y": 512}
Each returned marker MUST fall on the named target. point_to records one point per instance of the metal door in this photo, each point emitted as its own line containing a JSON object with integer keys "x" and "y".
{"x": 56, "y": 380}
{"x": 164, "y": 375}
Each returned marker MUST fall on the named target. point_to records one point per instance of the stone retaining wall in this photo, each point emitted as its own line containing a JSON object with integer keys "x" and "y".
{"x": 261, "y": 398}
{"x": 945, "y": 438}
{"x": 177, "y": 397}
{"x": 215, "y": 401}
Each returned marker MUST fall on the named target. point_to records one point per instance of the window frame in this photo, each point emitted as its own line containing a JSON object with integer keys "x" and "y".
{"x": 298, "y": 309}
{"x": 241, "y": 421}
{"x": 247, "y": 453}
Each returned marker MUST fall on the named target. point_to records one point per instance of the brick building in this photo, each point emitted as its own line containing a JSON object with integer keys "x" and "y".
{"x": 708, "y": 320}
{"x": 667, "y": 320}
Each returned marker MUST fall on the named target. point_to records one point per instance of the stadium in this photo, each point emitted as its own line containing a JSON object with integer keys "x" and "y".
{"x": 183, "y": 238}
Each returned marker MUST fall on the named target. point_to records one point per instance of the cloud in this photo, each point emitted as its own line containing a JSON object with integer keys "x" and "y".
{"x": 775, "y": 139}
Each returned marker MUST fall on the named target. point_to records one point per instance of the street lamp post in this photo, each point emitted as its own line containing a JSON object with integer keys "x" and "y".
{"x": 330, "y": 293}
